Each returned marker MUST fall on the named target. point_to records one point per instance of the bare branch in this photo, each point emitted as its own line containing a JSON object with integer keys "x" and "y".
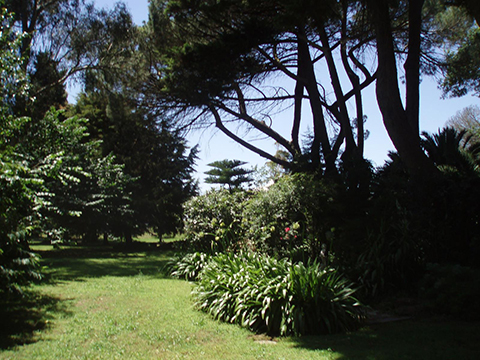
{"x": 259, "y": 125}
{"x": 278, "y": 64}
{"x": 219, "y": 124}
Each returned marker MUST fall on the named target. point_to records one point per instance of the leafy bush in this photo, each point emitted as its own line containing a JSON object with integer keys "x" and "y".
{"x": 452, "y": 290}
{"x": 411, "y": 223}
{"x": 18, "y": 267}
{"x": 19, "y": 198}
{"x": 296, "y": 202}
{"x": 391, "y": 259}
{"x": 277, "y": 296}
{"x": 213, "y": 221}
{"x": 438, "y": 209}
{"x": 17, "y": 183}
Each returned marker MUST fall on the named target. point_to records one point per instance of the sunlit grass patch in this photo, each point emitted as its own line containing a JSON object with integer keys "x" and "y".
{"x": 120, "y": 306}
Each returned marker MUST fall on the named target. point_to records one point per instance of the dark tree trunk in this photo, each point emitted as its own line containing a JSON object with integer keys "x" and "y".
{"x": 355, "y": 81}
{"x": 128, "y": 236}
{"x": 412, "y": 65}
{"x": 342, "y": 114}
{"x": 320, "y": 139}
{"x": 90, "y": 235}
{"x": 396, "y": 119}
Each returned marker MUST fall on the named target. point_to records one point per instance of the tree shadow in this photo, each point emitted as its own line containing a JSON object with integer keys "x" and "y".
{"x": 22, "y": 317}
{"x": 77, "y": 263}
{"x": 412, "y": 339}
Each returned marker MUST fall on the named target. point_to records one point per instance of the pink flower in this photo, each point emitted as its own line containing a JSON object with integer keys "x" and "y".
{"x": 287, "y": 229}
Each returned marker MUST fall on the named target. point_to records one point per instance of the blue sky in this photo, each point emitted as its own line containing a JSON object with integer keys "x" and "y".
{"x": 434, "y": 112}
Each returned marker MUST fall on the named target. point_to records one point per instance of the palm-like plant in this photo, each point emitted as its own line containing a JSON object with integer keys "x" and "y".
{"x": 452, "y": 149}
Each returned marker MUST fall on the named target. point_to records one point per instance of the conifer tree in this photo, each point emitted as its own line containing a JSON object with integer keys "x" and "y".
{"x": 229, "y": 173}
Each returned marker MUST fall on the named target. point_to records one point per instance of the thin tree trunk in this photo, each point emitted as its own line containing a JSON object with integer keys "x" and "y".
{"x": 297, "y": 113}
{"x": 342, "y": 115}
{"x": 355, "y": 81}
{"x": 320, "y": 139}
{"x": 219, "y": 124}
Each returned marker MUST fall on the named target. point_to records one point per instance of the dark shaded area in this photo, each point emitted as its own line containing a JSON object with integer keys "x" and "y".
{"x": 80, "y": 262}
{"x": 413, "y": 339}
{"x": 23, "y": 316}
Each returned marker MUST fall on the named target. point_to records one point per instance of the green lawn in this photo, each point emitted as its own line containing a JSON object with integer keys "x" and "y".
{"x": 104, "y": 304}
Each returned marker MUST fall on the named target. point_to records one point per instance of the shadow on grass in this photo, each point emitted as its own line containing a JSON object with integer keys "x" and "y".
{"x": 412, "y": 339}
{"x": 81, "y": 262}
{"x": 22, "y": 318}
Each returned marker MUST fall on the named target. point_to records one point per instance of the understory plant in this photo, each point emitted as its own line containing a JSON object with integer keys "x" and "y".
{"x": 277, "y": 297}
{"x": 451, "y": 290}
{"x": 187, "y": 266}
{"x": 18, "y": 266}
{"x": 391, "y": 259}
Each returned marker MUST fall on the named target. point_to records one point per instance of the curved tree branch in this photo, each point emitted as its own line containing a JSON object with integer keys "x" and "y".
{"x": 219, "y": 124}
{"x": 259, "y": 125}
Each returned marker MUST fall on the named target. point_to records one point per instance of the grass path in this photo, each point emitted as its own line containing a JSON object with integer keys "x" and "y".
{"x": 115, "y": 305}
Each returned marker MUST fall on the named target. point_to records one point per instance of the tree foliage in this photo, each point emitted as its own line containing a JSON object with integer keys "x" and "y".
{"x": 17, "y": 265}
{"x": 249, "y": 43}
{"x": 463, "y": 69}
{"x": 63, "y": 39}
{"x": 88, "y": 192}
{"x": 467, "y": 119}
{"x": 228, "y": 173}
{"x": 309, "y": 61}
{"x": 152, "y": 152}
{"x": 52, "y": 179}
{"x": 462, "y": 64}
{"x": 67, "y": 39}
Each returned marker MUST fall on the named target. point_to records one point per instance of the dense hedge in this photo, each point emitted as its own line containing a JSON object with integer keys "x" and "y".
{"x": 293, "y": 218}
{"x": 381, "y": 238}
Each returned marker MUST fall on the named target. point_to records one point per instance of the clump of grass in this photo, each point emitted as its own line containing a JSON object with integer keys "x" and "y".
{"x": 277, "y": 296}
{"x": 187, "y": 266}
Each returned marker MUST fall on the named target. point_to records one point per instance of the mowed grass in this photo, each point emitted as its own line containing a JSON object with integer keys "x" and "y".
{"x": 101, "y": 303}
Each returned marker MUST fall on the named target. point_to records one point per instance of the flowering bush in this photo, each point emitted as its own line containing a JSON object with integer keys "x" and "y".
{"x": 293, "y": 218}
